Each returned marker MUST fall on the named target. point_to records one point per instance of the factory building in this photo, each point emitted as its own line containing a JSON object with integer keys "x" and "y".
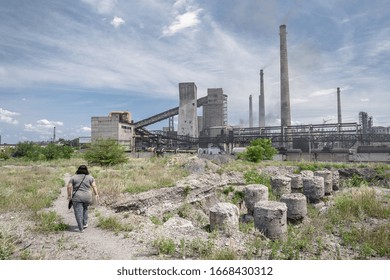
{"x": 117, "y": 126}
{"x": 214, "y": 111}
{"x": 188, "y": 118}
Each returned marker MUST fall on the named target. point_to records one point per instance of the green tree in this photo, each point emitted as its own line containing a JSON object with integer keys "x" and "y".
{"x": 259, "y": 149}
{"x": 106, "y": 152}
{"x": 53, "y": 151}
{"x": 22, "y": 149}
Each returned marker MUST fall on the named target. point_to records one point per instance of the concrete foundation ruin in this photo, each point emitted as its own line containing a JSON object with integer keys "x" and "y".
{"x": 271, "y": 219}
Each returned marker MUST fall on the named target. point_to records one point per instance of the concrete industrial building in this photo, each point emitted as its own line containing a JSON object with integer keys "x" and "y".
{"x": 188, "y": 118}
{"x": 117, "y": 126}
{"x": 214, "y": 111}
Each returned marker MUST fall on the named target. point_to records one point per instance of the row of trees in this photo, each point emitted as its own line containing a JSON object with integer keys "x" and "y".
{"x": 33, "y": 151}
{"x": 110, "y": 152}
{"x": 103, "y": 152}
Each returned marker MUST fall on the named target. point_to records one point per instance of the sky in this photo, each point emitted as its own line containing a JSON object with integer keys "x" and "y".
{"x": 63, "y": 62}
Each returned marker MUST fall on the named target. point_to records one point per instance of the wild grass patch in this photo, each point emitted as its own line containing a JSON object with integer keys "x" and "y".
{"x": 50, "y": 222}
{"x": 7, "y": 245}
{"x": 165, "y": 246}
{"x": 113, "y": 224}
{"x": 29, "y": 188}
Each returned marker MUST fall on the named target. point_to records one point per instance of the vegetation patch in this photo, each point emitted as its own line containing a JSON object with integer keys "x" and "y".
{"x": 50, "y": 222}
{"x": 113, "y": 224}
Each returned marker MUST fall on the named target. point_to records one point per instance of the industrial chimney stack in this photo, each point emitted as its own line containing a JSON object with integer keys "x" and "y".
{"x": 250, "y": 111}
{"x": 261, "y": 101}
{"x": 285, "y": 114}
{"x": 338, "y": 106}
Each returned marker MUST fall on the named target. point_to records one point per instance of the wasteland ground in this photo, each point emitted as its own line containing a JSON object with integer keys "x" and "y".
{"x": 172, "y": 223}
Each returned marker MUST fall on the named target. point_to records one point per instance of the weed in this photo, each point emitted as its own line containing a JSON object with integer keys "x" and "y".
{"x": 275, "y": 247}
{"x": 184, "y": 211}
{"x": 112, "y": 223}
{"x": 224, "y": 254}
{"x": 155, "y": 220}
{"x": 238, "y": 197}
{"x": 254, "y": 248}
{"x": 355, "y": 181}
{"x": 247, "y": 227}
{"x": 186, "y": 191}
{"x": 201, "y": 249}
{"x": 167, "y": 216}
{"x": 358, "y": 204}
{"x": 6, "y": 246}
{"x": 164, "y": 246}
{"x": 254, "y": 177}
{"x": 228, "y": 190}
{"x": 368, "y": 242}
{"x": 50, "y": 222}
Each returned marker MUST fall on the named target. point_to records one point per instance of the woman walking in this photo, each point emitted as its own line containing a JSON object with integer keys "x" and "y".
{"x": 79, "y": 191}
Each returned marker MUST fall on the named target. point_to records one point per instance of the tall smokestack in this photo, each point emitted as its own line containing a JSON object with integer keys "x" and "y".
{"x": 338, "y": 106}
{"x": 250, "y": 111}
{"x": 261, "y": 101}
{"x": 285, "y": 114}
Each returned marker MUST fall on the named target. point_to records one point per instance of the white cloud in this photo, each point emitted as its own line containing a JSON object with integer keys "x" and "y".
{"x": 183, "y": 21}
{"x": 102, "y": 6}
{"x": 86, "y": 129}
{"x": 47, "y": 123}
{"x": 365, "y": 99}
{"x": 324, "y": 92}
{"x": 43, "y": 126}
{"x": 117, "y": 21}
{"x": 7, "y": 116}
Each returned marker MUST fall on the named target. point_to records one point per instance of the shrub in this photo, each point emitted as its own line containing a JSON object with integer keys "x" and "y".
{"x": 105, "y": 153}
{"x": 53, "y": 152}
{"x": 259, "y": 149}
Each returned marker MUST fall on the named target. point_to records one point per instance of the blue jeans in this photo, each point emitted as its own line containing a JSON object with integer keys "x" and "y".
{"x": 81, "y": 213}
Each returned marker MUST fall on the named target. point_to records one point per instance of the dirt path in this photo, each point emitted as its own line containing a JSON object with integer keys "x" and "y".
{"x": 93, "y": 243}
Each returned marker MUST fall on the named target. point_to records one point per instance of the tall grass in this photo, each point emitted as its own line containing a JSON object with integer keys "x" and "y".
{"x": 28, "y": 188}
{"x": 138, "y": 175}
{"x": 357, "y": 205}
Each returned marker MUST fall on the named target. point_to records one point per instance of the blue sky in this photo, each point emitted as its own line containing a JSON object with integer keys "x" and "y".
{"x": 62, "y": 62}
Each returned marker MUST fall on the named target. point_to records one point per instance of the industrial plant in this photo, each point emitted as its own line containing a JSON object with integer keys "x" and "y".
{"x": 211, "y": 133}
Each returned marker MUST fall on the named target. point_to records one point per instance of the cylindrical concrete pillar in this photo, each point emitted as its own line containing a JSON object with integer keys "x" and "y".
{"x": 280, "y": 185}
{"x": 253, "y": 194}
{"x": 313, "y": 188}
{"x": 224, "y": 217}
{"x": 271, "y": 219}
{"x": 336, "y": 180}
{"x": 296, "y": 183}
{"x": 328, "y": 183}
{"x": 296, "y": 206}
